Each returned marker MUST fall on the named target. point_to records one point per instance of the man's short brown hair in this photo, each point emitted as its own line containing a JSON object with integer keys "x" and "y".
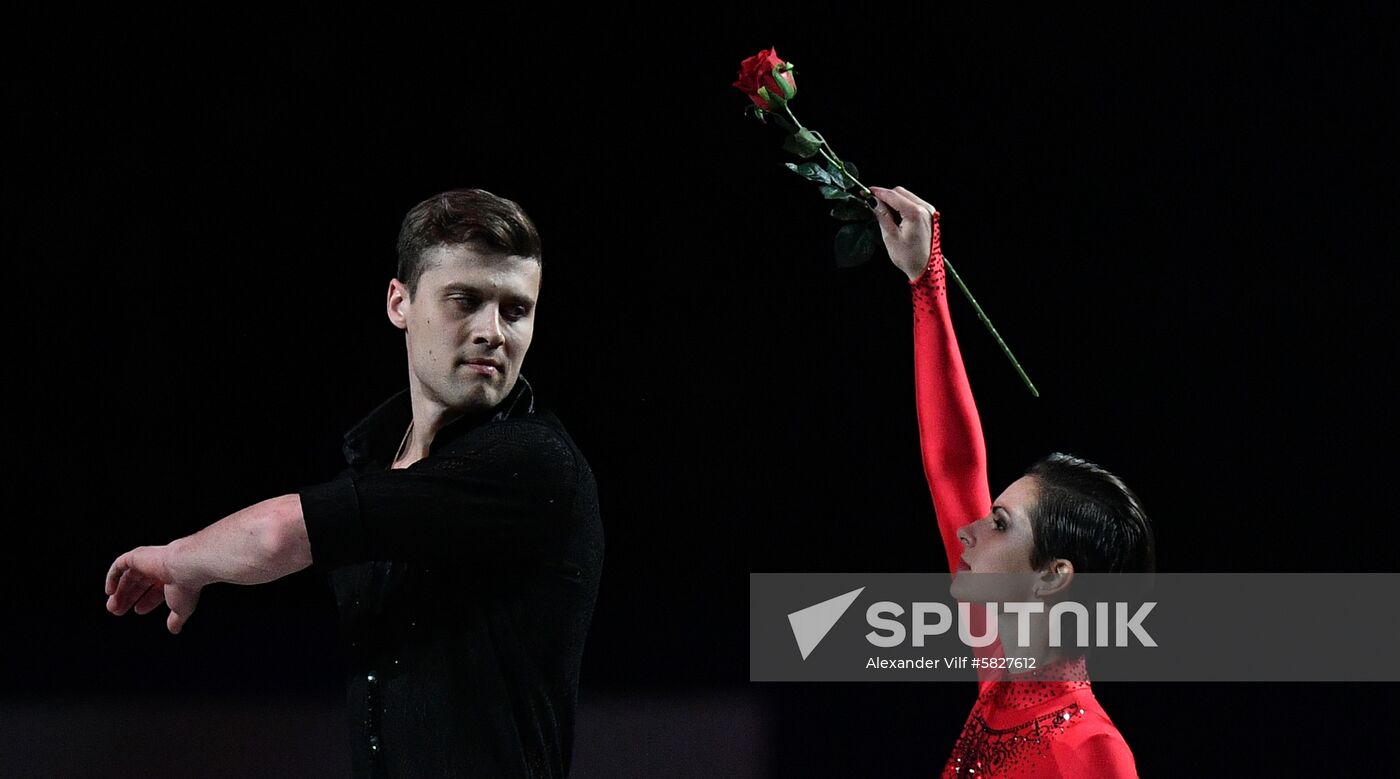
{"x": 459, "y": 217}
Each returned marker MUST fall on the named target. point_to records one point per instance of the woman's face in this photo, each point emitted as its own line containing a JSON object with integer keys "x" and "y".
{"x": 1000, "y": 543}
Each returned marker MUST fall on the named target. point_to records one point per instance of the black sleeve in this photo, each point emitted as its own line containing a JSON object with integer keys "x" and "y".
{"x": 506, "y": 494}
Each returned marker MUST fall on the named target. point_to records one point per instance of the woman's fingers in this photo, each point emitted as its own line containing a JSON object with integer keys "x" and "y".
{"x": 916, "y": 199}
{"x": 909, "y": 242}
{"x": 884, "y": 214}
{"x": 907, "y": 208}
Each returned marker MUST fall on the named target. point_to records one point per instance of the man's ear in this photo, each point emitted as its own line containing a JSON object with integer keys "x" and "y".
{"x": 398, "y": 303}
{"x": 1054, "y": 580}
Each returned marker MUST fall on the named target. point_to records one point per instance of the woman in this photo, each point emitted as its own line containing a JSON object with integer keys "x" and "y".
{"x": 1065, "y": 516}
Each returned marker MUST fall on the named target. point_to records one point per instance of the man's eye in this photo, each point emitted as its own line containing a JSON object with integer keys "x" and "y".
{"x": 515, "y": 313}
{"x": 466, "y": 301}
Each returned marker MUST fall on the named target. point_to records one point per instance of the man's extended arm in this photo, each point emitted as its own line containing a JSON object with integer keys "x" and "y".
{"x": 258, "y": 544}
{"x": 508, "y": 499}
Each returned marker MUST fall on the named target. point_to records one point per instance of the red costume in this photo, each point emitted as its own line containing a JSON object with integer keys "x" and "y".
{"x": 1025, "y": 728}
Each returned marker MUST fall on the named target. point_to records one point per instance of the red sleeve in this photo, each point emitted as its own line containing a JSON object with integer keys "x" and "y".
{"x": 950, "y": 433}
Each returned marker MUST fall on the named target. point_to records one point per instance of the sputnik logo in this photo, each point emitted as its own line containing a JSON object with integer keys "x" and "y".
{"x": 810, "y": 625}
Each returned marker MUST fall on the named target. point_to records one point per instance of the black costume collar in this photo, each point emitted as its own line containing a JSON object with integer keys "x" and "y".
{"x": 378, "y": 435}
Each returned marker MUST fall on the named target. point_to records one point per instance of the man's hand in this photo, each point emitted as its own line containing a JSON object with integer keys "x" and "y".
{"x": 910, "y": 242}
{"x": 143, "y": 579}
{"x": 261, "y": 543}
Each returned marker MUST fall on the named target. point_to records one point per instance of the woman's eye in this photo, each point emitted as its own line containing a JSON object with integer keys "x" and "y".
{"x": 999, "y": 524}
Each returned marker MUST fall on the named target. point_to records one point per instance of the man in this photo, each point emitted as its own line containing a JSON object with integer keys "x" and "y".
{"x": 463, "y": 542}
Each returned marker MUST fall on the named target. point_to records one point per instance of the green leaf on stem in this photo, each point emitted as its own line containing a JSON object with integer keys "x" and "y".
{"x": 836, "y": 193}
{"x": 837, "y": 176}
{"x": 810, "y": 171}
{"x": 851, "y": 168}
{"x": 855, "y": 243}
{"x": 851, "y": 212}
{"x": 804, "y": 144}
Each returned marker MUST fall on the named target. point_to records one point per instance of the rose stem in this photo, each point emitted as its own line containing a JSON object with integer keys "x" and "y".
{"x": 832, "y": 158}
{"x": 948, "y": 266}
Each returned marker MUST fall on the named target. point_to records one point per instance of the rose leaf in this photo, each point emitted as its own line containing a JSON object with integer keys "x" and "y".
{"x": 810, "y": 171}
{"x": 855, "y": 243}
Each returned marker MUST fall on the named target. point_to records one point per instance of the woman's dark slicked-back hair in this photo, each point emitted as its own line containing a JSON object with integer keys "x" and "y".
{"x": 459, "y": 217}
{"x": 1088, "y": 516}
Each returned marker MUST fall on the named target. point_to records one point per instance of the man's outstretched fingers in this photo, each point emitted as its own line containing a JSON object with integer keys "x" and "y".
{"x": 182, "y": 602}
{"x": 176, "y": 621}
{"x": 133, "y": 586}
{"x": 151, "y": 599}
{"x": 131, "y": 574}
{"x": 114, "y": 574}
{"x": 129, "y": 587}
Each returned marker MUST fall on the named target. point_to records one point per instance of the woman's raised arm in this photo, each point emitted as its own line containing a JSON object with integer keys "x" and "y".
{"x": 950, "y": 433}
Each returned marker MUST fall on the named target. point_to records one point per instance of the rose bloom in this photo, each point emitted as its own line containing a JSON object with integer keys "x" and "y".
{"x": 756, "y": 73}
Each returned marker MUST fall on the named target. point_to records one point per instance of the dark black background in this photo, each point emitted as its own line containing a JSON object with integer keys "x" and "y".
{"x": 1182, "y": 222}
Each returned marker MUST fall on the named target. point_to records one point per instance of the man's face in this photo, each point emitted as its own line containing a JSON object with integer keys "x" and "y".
{"x": 468, "y": 326}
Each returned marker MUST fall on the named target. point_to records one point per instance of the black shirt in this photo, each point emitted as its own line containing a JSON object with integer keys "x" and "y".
{"x": 465, "y": 583}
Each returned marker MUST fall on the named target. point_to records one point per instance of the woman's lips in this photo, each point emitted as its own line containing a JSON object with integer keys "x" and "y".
{"x": 963, "y": 566}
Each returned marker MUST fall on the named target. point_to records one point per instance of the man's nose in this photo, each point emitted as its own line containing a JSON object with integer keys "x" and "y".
{"x": 486, "y": 327}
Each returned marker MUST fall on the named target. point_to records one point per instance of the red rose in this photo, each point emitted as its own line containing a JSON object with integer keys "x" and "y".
{"x": 767, "y": 80}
